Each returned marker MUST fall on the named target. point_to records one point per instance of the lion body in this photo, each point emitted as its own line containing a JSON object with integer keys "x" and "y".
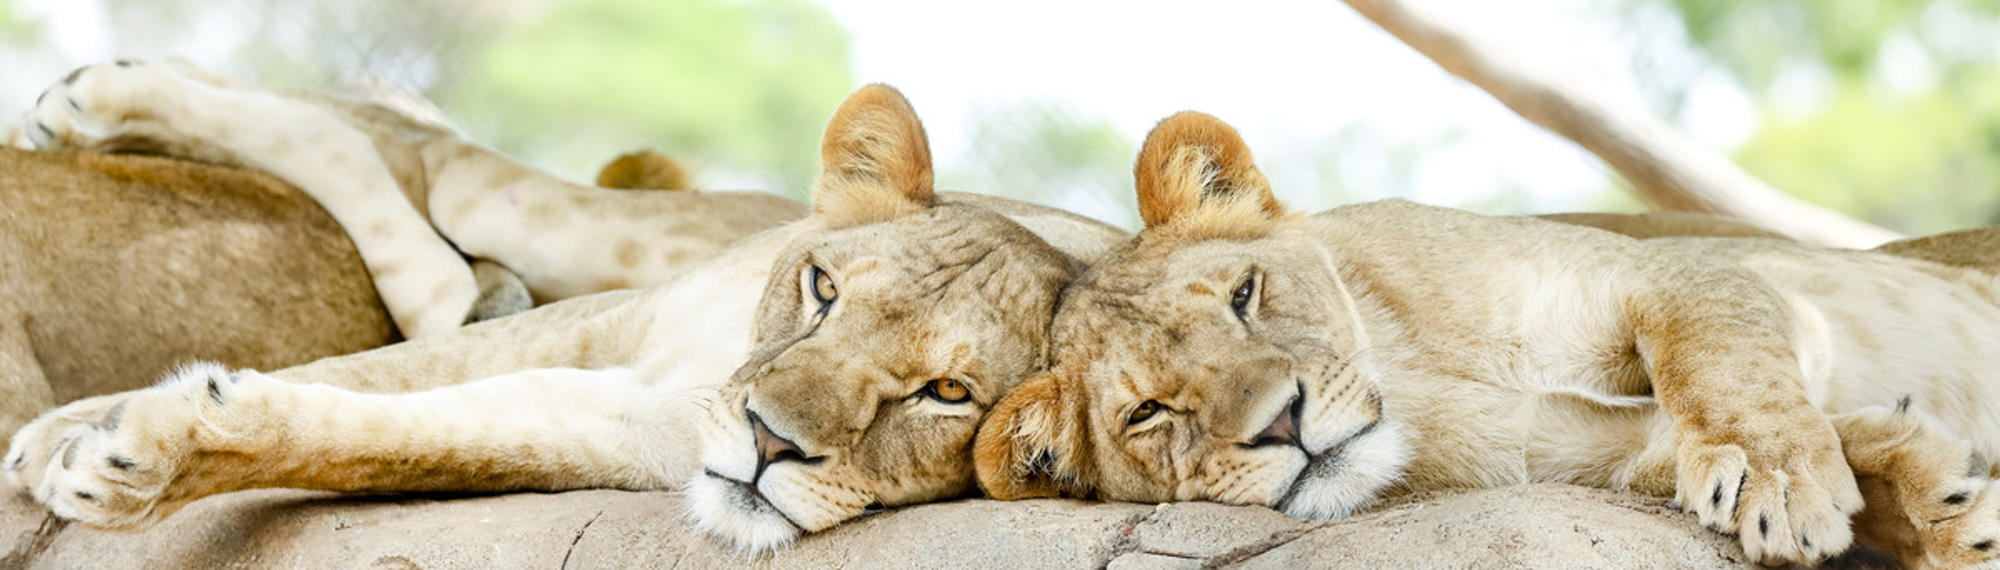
{"x": 114, "y": 269}
{"x": 414, "y": 196}
{"x": 1238, "y": 353}
{"x": 121, "y": 266}
{"x": 1533, "y": 337}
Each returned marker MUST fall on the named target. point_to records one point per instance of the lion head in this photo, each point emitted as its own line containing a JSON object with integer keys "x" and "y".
{"x": 888, "y": 327}
{"x": 1216, "y": 356}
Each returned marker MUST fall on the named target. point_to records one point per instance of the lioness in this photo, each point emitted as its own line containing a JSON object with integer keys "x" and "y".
{"x": 108, "y": 276}
{"x": 116, "y": 268}
{"x": 409, "y": 190}
{"x": 865, "y": 341}
{"x": 1239, "y": 353}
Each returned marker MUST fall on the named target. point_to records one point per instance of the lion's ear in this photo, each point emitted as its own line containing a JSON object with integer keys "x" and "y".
{"x": 875, "y": 162}
{"x": 1195, "y": 167}
{"x": 1033, "y": 444}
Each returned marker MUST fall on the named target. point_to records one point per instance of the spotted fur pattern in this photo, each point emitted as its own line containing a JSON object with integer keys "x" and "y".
{"x": 414, "y": 196}
{"x": 787, "y": 384}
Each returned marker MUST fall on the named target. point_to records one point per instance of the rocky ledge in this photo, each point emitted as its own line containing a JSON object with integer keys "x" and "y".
{"x": 1537, "y": 526}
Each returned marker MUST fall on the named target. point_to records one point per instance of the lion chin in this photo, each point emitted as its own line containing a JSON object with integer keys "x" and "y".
{"x": 1345, "y": 476}
{"x": 734, "y": 511}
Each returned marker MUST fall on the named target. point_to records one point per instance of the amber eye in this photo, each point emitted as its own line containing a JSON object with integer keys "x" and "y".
{"x": 1239, "y": 301}
{"x": 948, "y": 391}
{"x": 822, "y": 287}
{"x": 1144, "y": 412}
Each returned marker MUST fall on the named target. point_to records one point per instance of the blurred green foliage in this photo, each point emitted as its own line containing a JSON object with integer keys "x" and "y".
{"x": 15, "y": 30}
{"x": 744, "y": 84}
{"x": 1899, "y": 125}
{"x": 737, "y": 87}
{"x": 1920, "y": 154}
{"x": 1045, "y": 151}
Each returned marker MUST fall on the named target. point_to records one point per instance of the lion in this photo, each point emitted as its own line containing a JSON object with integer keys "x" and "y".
{"x": 416, "y": 198}
{"x": 109, "y": 265}
{"x": 1236, "y": 352}
{"x": 803, "y": 377}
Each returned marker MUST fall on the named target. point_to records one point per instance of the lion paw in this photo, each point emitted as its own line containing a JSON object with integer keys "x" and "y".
{"x": 121, "y": 461}
{"x": 99, "y": 102}
{"x": 1940, "y": 488}
{"x": 1966, "y": 530}
{"x": 1789, "y": 513}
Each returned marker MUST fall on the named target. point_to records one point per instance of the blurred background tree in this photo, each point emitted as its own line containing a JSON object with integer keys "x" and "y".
{"x": 1888, "y": 110}
{"x": 1049, "y": 152}
{"x": 740, "y": 88}
{"x": 740, "y": 85}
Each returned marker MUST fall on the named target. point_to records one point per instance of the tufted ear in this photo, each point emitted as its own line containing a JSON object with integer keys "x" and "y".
{"x": 1195, "y": 170}
{"x": 1033, "y": 444}
{"x": 875, "y": 162}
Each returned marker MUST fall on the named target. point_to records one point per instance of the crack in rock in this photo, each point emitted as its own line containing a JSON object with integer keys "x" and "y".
{"x": 579, "y": 538}
{"x": 1255, "y": 549}
{"x": 1128, "y": 543}
{"x": 40, "y": 541}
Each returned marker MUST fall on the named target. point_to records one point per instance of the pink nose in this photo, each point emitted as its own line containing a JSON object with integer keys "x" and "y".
{"x": 771, "y": 448}
{"x": 1283, "y": 430}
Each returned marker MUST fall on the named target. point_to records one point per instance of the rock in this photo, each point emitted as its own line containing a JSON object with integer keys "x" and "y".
{"x": 1535, "y": 526}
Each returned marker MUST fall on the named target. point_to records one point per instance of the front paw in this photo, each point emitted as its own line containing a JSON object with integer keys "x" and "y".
{"x": 99, "y": 102}
{"x": 123, "y": 461}
{"x": 1791, "y": 509}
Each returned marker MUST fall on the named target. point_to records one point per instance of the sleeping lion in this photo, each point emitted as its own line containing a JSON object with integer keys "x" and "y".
{"x": 798, "y": 379}
{"x": 414, "y": 196}
{"x": 114, "y": 268}
{"x": 1239, "y": 353}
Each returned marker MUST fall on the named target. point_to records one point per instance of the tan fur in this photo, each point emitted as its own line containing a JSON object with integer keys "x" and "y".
{"x": 1970, "y": 248}
{"x": 650, "y": 389}
{"x": 1212, "y": 162}
{"x": 1663, "y": 224}
{"x": 117, "y": 268}
{"x": 1429, "y": 348}
{"x": 867, "y": 135}
{"x": 643, "y": 170}
{"x": 411, "y": 193}
{"x": 1977, "y": 248}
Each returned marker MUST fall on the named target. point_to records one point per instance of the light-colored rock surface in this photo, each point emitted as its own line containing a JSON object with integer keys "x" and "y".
{"x": 1541, "y": 526}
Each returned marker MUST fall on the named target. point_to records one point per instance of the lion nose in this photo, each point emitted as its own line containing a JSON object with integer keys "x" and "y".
{"x": 1283, "y": 430}
{"x": 771, "y": 448}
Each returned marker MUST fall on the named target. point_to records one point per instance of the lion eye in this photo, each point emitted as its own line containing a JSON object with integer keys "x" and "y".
{"x": 948, "y": 391}
{"x": 1239, "y": 301}
{"x": 821, "y": 286}
{"x": 1144, "y": 412}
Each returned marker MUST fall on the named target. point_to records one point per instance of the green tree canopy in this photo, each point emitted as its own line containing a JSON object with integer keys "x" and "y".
{"x": 743, "y": 85}
{"x": 1918, "y": 155}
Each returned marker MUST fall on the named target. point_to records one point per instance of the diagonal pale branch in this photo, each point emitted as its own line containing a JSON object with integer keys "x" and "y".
{"x": 1668, "y": 170}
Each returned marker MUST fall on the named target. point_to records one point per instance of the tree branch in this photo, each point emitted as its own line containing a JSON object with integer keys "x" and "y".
{"x": 1668, "y": 170}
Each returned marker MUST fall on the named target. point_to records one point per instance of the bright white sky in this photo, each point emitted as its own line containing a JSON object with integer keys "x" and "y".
{"x": 1288, "y": 73}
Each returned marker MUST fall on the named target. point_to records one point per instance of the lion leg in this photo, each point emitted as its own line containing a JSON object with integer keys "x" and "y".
{"x": 599, "y": 331}
{"x": 1930, "y": 500}
{"x": 567, "y": 239}
{"x": 1753, "y": 457}
{"x": 422, "y": 279}
{"x": 24, "y": 391}
{"x": 207, "y": 431}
